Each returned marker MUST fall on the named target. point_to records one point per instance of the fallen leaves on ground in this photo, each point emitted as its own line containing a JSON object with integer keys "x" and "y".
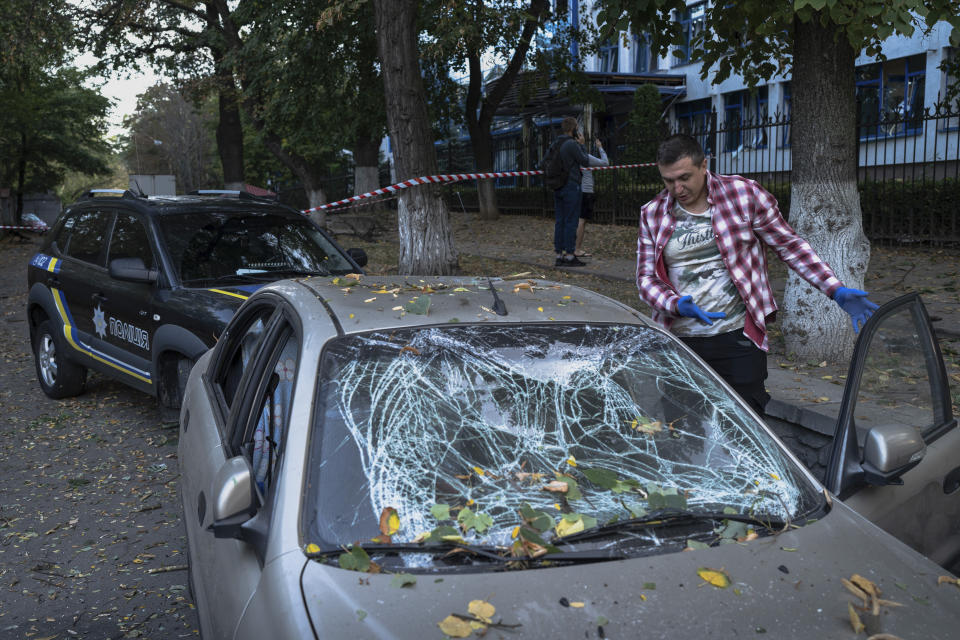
{"x": 716, "y": 577}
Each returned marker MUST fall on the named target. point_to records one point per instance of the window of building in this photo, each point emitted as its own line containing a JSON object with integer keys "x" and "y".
{"x": 608, "y": 58}
{"x": 694, "y": 118}
{"x": 692, "y": 22}
{"x": 744, "y": 122}
{"x": 890, "y": 96}
{"x": 641, "y": 54}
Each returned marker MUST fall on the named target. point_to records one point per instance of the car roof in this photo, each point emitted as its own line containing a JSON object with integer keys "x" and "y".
{"x": 370, "y": 303}
{"x": 215, "y": 201}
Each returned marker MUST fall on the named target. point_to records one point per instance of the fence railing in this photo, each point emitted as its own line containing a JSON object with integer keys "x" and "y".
{"x": 908, "y": 171}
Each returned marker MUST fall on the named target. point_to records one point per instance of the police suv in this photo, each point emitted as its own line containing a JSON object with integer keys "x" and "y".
{"x": 138, "y": 287}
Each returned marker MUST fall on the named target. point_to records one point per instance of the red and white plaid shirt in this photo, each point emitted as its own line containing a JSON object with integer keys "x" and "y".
{"x": 745, "y": 218}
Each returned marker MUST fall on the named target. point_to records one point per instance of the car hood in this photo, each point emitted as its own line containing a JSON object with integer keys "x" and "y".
{"x": 787, "y": 586}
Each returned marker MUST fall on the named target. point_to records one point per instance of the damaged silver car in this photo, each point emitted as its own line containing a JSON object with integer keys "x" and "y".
{"x": 389, "y": 457}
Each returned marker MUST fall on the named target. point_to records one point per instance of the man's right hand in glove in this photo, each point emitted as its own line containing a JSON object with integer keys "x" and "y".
{"x": 687, "y": 307}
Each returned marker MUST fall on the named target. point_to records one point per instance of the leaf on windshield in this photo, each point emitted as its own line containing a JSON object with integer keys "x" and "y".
{"x": 440, "y": 511}
{"x": 479, "y": 522}
{"x": 539, "y": 520}
{"x": 572, "y": 490}
{"x": 636, "y": 511}
{"x": 445, "y": 533}
{"x": 607, "y": 479}
{"x": 356, "y": 559}
{"x": 732, "y": 531}
{"x": 389, "y": 521}
{"x": 419, "y": 305}
{"x": 574, "y": 523}
{"x": 665, "y": 498}
{"x": 716, "y": 577}
{"x": 646, "y": 425}
{"x": 530, "y": 543}
{"x": 455, "y": 627}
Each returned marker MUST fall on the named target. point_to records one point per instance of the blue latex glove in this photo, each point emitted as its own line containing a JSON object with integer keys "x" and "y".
{"x": 855, "y": 303}
{"x": 687, "y": 307}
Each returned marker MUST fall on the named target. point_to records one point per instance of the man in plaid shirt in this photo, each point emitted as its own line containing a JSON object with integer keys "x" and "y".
{"x": 701, "y": 246}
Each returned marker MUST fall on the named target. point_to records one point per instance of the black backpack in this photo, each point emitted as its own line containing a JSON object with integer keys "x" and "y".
{"x": 555, "y": 175}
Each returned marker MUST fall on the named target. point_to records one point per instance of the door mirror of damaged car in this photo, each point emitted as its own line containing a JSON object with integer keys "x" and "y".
{"x": 132, "y": 270}
{"x": 889, "y": 451}
{"x": 359, "y": 256}
{"x": 234, "y": 497}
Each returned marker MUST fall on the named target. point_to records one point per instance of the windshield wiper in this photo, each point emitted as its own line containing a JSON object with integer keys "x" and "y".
{"x": 413, "y": 547}
{"x": 667, "y": 518}
{"x": 497, "y": 554}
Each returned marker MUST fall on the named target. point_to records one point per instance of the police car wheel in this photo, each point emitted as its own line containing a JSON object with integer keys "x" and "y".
{"x": 58, "y": 377}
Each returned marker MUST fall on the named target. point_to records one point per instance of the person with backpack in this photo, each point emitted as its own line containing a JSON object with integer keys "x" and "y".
{"x": 562, "y": 174}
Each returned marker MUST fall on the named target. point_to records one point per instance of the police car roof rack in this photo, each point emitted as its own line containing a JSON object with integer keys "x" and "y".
{"x": 101, "y": 193}
{"x": 242, "y": 195}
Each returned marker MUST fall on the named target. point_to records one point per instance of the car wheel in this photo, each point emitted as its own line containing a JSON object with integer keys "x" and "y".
{"x": 58, "y": 377}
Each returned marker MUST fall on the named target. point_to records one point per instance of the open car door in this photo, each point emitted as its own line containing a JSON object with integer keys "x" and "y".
{"x": 900, "y": 467}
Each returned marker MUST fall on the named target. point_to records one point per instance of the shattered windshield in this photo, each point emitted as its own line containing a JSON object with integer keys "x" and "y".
{"x": 476, "y": 430}
{"x": 215, "y": 247}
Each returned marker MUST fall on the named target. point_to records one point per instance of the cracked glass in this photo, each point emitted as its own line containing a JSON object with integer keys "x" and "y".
{"x": 486, "y": 417}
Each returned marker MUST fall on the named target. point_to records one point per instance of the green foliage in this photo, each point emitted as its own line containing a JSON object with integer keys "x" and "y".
{"x": 51, "y": 123}
{"x": 754, "y": 38}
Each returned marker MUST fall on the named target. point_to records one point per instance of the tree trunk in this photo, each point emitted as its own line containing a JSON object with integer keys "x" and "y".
{"x": 230, "y": 137}
{"x": 482, "y": 142}
{"x": 426, "y": 242}
{"x": 366, "y": 165}
{"x": 824, "y": 202}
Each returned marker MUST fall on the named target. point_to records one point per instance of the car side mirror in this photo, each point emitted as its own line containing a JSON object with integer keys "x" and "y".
{"x": 234, "y": 497}
{"x": 889, "y": 451}
{"x": 132, "y": 270}
{"x": 359, "y": 256}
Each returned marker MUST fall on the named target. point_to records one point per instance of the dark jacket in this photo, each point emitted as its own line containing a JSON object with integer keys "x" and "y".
{"x": 573, "y": 156}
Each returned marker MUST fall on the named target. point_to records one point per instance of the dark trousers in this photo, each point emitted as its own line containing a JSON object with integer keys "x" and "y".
{"x": 738, "y": 361}
{"x": 566, "y": 202}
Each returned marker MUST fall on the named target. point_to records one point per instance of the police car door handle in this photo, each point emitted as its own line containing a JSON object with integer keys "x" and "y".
{"x": 53, "y": 282}
{"x": 99, "y": 297}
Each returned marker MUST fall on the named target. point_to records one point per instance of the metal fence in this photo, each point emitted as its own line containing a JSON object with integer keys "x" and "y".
{"x": 908, "y": 171}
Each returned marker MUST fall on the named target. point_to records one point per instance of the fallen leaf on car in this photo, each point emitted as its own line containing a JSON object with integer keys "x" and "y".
{"x": 353, "y": 276}
{"x": 401, "y": 580}
{"x": 572, "y": 461}
{"x": 522, "y": 285}
{"x": 313, "y": 548}
{"x": 440, "y": 511}
{"x": 410, "y": 349}
{"x": 948, "y": 580}
{"x": 556, "y": 486}
{"x": 482, "y": 609}
{"x": 389, "y": 521}
{"x": 855, "y": 621}
{"x": 577, "y": 605}
{"x": 715, "y": 577}
{"x": 455, "y": 627}
{"x": 370, "y": 299}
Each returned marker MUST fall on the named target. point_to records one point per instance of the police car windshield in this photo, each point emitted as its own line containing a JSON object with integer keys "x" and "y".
{"x": 220, "y": 246}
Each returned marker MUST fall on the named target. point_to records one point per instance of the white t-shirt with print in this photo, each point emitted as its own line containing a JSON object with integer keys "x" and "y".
{"x": 696, "y": 269}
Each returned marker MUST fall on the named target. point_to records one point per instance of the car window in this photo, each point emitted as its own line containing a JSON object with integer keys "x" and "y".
{"x": 488, "y": 416}
{"x": 207, "y": 247}
{"x": 129, "y": 240}
{"x": 88, "y": 236}
{"x": 260, "y": 434}
{"x": 238, "y": 352}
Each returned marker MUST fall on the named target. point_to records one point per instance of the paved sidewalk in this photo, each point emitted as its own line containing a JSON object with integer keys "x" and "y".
{"x": 796, "y": 397}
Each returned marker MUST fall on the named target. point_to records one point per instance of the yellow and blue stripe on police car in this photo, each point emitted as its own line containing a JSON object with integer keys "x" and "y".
{"x": 70, "y": 333}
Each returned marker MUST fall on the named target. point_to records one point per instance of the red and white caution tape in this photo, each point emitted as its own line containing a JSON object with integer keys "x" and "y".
{"x": 457, "y": 177}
